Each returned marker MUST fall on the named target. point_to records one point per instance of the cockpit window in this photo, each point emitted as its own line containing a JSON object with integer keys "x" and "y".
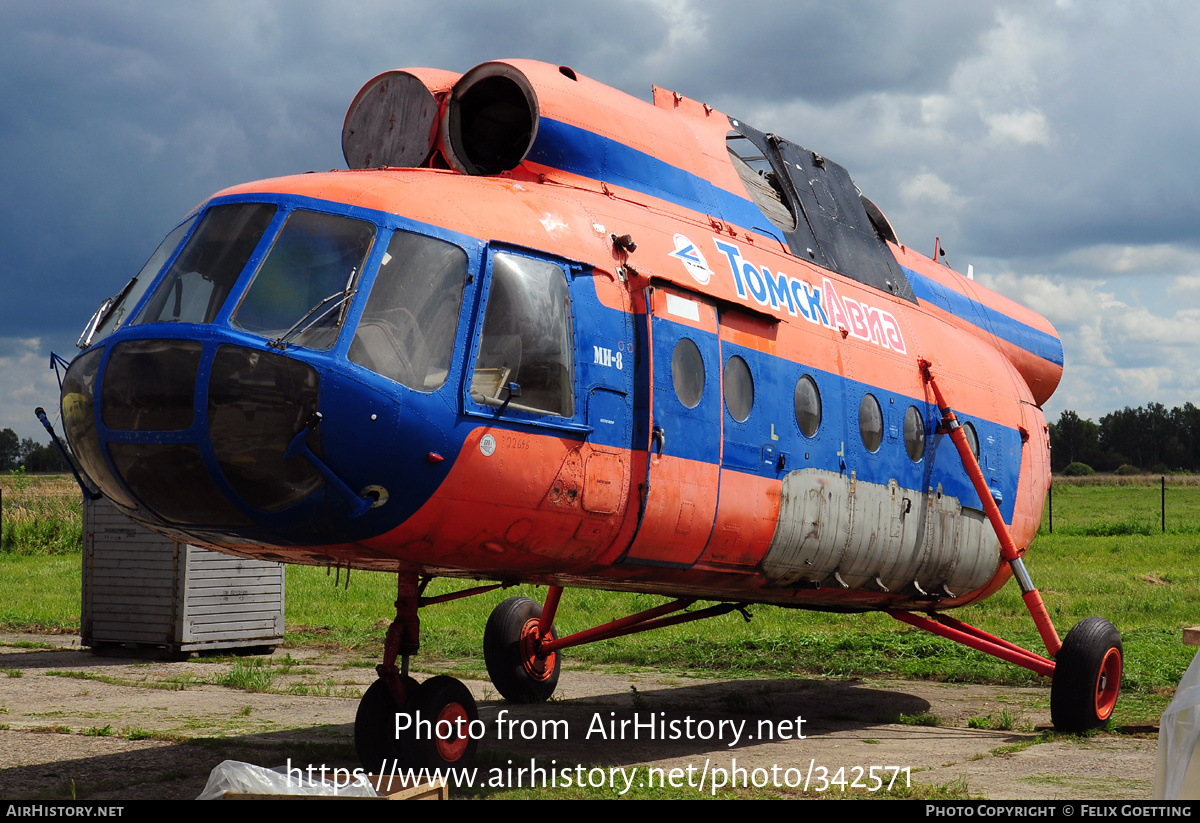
{"x": 407, "y": 329}
{"x": 113, "y": 318}
{"x": 527, "y": 339}
{"x": 303, "y": 284}
{"x": 196, "y": 285}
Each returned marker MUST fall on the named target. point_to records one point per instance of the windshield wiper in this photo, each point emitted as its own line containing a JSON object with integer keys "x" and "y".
{"x": 311, "y": 318}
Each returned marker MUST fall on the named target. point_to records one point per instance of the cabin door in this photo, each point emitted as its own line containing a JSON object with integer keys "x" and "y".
{"x": 682, "y": 360}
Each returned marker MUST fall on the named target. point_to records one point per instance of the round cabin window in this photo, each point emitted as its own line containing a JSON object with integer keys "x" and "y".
{"x": 972, "y": 439}
{"x": 739, "y": 389}
{"x": 914, "y": 434}
{"x": 808, "y": 406}
{"x": 687, "y": 373}
{"x": 870, "y": 422}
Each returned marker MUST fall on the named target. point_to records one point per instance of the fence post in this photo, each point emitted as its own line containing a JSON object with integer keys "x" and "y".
{"x": 1164, "y": 504}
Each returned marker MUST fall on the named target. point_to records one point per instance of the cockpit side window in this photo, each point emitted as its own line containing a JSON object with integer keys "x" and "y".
{"x": 527, "y": 339}
{"x": 407, "y": 330}
{"x": 115, "y": 317}
{"x": 196, "y": 285}
{"x": 305, "y": 280}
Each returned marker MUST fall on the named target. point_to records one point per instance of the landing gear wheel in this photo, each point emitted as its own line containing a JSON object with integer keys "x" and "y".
{"x": 1087, "y": 676}
{"x": 509, "y": 641}
{"x": 447, "y": 705}
{"x": 375, "y": 728}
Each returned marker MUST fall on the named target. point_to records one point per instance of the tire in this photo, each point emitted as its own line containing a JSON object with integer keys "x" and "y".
{"x": 1087, "y": 677}
{"x": 375, "y": 739}
{"x": 516, "y": 672}
{"x": 440, "y": 701}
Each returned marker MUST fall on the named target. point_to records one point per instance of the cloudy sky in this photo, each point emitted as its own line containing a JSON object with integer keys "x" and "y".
{"x": 1054, "y": 146}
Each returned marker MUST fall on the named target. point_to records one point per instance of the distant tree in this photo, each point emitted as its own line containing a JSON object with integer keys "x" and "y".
{"x": 27, "y": 452}
{"x": 1073, "y": 440}
{"x": 1123, "y": 439}
{"x": 28, "y": 444}
{"x": 45, "y": 458}
{"x": 1187, "y": 429}
{"x": 10, "y": 449}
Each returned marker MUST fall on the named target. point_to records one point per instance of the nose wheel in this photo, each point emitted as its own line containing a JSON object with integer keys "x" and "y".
{"x": 1087, "y": 676}
{"x": 431, "y": 730}
{"x": 403, "y": 724}
{"x": 374, "y": 724}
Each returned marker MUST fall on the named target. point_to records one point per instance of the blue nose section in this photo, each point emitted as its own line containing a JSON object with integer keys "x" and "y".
{"x": 194, "y": 435}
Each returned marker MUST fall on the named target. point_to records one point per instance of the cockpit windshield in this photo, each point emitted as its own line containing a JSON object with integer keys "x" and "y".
{"x": 316, "y": 257}
{"x": 195, "y": 287}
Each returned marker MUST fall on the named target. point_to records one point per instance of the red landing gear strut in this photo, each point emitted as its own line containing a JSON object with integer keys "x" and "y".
{"x": 521, "y": 647}
{"x": 405, "y": 724}
{"x": 1086, "y": 669}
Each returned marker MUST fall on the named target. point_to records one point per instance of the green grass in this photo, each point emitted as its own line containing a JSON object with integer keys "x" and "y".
{"x": 41, "y": 515}
{"x": 1102, "y": 559}
{"x": 1005, "y": 721}
{"x": 248, "y": 675}
{"x": 919, "y": 719}
{"x": 40, "y": 592}
{"x": 1109, "y": 506}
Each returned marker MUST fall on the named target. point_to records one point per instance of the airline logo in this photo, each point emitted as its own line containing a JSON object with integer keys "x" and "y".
{"x": 693, "y": 260}
{"x": 823, "y": 305}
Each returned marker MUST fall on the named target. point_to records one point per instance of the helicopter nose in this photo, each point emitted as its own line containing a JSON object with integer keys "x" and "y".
{"x": 194, "y": 432}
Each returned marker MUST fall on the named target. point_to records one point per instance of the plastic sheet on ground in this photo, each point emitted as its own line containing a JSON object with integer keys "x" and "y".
{"x": 1177, "y": 776}
{"x": 246, "y": 778}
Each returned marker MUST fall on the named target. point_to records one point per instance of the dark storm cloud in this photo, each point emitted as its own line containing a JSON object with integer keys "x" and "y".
{"x": 1112, "y": 160}
{"x": 117, "y": 119}
{"x": 825, "y": 52}
{"x": 122, "y": 120}
{"x": 1032, "y": 136}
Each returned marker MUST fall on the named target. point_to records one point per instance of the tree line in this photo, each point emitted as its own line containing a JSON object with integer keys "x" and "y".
{"x": 27, "y": 452}
{"x": 1151, "y": 438}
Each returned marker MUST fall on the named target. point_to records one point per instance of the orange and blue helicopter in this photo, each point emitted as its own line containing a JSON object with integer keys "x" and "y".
{"x": 545, "y": 332}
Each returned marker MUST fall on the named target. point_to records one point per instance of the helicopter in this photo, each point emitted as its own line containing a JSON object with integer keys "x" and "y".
{"x": 541, "y": 331}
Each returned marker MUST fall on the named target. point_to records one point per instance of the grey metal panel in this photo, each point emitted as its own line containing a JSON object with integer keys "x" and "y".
{"x": 132, "y": 604}
{"x": 267, "y": 632}
{"x": 241, "y": 594}
{"x": 831, "y": 528}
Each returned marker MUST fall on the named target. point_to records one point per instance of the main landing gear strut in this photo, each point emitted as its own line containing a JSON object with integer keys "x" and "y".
{"x": 1086, "y": 669}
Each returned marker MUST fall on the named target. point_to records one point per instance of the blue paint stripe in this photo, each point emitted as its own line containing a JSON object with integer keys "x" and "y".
{"x": 775, "y": 379}
{"x": 579, "y": 151}
{"x": 692, "y": 434}
{"x": 1034, "y": 341}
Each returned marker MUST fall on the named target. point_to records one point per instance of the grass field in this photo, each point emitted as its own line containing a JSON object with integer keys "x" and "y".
{"x": 1107, "y": 556}
{"x": 41, "y": 515}
{"x": 1103, "y": 505}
